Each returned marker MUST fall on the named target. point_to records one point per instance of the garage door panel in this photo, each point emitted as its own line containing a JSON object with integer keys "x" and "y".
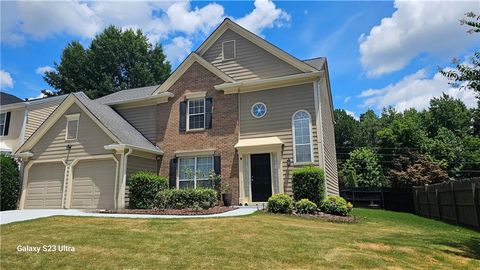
{"x": 94, "y": 184}
{"x": 45, "y": 185}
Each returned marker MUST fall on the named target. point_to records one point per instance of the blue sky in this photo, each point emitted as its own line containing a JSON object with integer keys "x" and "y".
{"x": 379, "y": 53}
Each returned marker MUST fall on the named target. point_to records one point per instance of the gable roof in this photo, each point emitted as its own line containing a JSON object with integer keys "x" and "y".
{"x": 274, "y": 50}
{"x": 128, "y": 95}
{"x": 317, "y": 63}
{"x": 111, "y": 123}
{"x": 183, "y": 67}
{"x": 6, "y": 98}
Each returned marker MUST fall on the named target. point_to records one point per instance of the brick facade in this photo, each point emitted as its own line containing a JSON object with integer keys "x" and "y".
{"x": 222, "y": 136}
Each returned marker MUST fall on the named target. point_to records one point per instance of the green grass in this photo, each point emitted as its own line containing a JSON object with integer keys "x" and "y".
{"x": 380, "y": 239}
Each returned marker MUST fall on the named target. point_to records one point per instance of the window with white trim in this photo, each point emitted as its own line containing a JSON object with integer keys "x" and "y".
{"x": 3, "y": 123}
{"x": 302, "y": 137}
{"x": 228, "y": 50}
{"x": 73, "y": 121}
{"x": 193, "y": 172}
{"x": 196, "y": 114}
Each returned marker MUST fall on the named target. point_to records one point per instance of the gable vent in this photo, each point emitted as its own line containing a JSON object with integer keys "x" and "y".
{"x": 228, "y": 50}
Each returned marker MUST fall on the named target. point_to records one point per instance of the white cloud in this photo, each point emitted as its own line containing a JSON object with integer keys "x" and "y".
{"x": 178, "y": 49}
{"x": 5, "y": 79}
{"x": 352, "y": 114}
{"x": 415, "y": 91}
{"x": 42, "y": 70}
{"x": 347, "y": 99}
{"x": 416, "y": 27}
{"x": 265, "y": 15}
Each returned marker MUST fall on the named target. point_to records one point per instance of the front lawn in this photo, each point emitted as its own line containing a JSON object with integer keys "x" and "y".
{"x": 380, "y": 239}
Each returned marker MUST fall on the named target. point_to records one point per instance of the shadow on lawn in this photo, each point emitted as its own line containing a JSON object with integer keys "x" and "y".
{"x": 468, "y": 248}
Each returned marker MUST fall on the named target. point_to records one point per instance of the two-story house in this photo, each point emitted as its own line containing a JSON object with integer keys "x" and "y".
{"x": 238, "y": 105}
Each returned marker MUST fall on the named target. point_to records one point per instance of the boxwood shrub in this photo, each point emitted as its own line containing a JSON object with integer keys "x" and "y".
{"x": 280, "y": 203}
{"x": 336, "y": 205}
{"x": 9, "y": 183}
{"x": 308, "y": 183}
{"x": 143, "y": 187}
{"x": 305, "y": 206}
{"x": 186, "y": 198}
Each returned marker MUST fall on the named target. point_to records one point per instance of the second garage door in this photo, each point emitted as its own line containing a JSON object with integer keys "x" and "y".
{"x": 94, "y": 185}
{"x": 45, "y": 185}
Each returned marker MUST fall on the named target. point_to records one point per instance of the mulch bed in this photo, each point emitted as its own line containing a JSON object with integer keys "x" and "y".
{"x": 325, "y": 216}
{"x": 184, "y": 212}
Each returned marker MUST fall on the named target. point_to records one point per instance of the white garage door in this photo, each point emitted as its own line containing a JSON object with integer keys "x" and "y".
{"x": 94, "y": 184}
{"x": 45, "y": 185}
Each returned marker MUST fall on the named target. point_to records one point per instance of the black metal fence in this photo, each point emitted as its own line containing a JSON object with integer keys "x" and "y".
{"x": 457, "y": 202}
{"x": 395, "y": 199}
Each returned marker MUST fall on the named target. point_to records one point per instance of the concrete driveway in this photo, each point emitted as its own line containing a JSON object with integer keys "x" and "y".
{"x": 29, "y": 214}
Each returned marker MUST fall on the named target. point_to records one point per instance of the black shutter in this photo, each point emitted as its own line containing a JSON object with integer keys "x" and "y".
{"x": 183, "y": 116}
{"x": 217, "y": 165}
{"x": 7, "y": 124}
{"x": 172, "y": 174}
{"x": 208, "y": 113}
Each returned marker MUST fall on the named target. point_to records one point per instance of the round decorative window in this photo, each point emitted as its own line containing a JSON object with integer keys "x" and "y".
{"x": 259, "y": 110}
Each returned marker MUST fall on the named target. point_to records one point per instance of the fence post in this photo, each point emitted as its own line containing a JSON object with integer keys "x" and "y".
{"x": 428, "y": 202}
{"x": 438, "y": 203}
{"x": 454, "y": 202}
{"x": 475, "y": 208}
{"x": 353, "y": 195}
{"x": 417, "y": 203}
{"x": 381, "y": 195}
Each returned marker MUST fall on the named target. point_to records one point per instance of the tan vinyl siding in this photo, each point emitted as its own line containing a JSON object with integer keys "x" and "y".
{"x": 135, "y": 164}
{"x": 91, "y": 139}
{"x": 331, "y": 174}
{"x": 144, "y": 119}
{"x": 251, "y": 61}
{"x": 281, "y": 104}
{"x": 37, "y": 114}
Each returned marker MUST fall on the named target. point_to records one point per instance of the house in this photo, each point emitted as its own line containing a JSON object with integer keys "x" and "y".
{"x": 238, "y": 106}
{"x": 19, "y": 118}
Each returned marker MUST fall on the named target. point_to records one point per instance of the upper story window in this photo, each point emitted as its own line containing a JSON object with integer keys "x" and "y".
{"x": 4, "y": 123}
{"x": 193, "y": 172}
{"x": 229, "y": 50}
{"x": 73, "y": 121}
{"x": 302, "y": 137}
{"x": 259, "y": 110}
{"x": 196, "y": 114}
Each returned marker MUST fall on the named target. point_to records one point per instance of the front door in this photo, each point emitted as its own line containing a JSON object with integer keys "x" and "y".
{"x": 261, "y": 177}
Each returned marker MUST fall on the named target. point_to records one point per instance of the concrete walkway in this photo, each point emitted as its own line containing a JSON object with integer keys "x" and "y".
{"x": 29, "y": 214}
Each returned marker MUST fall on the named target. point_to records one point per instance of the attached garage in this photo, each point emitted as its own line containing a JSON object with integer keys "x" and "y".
{"x": 45, "y": 185}
{"x": 94, "y": 184}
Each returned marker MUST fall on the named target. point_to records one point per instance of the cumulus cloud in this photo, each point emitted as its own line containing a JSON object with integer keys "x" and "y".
{"x": 178, "y": 49}
{"x": 415, "y": 27}
{"x": 265, "y": 15}
{"x": 42, "y": 70}
{"x": 415, "y": 91}
{"x": 352, "y": 114}
{"x": 5, "y": 79}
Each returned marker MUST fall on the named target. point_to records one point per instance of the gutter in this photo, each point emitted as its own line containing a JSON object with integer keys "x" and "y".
{"x": 152, "y": 97}
{"x": 120, "y": 147}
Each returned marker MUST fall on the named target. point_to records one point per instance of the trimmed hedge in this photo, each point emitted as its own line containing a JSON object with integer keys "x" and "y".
{"x": 144, "y": 186}
{"x": 9, "y": 183}
{"x": 336, "y": 205}
{"x": 308, "y": 183}
{"x": 305, "y": 206}
{"x": 280, "y": 203}
{"x": 186, "y": 198}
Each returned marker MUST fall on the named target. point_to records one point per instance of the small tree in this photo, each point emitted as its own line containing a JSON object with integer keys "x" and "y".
{"x": 9, "y": 183}
{"x": 414, "y": 169}
{"x": 308, "y": 183}
{"x": 362, "y": 169}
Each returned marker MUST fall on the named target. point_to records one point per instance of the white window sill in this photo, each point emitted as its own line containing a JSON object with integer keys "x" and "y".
{"x": 195, "y": 130}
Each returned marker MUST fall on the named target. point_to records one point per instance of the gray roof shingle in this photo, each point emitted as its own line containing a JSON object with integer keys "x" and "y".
{"x": 317, "y": 63}
{"x": 127, "y": 95}
{"x": 6, "y": 98}
{"x": 125, "y": 132}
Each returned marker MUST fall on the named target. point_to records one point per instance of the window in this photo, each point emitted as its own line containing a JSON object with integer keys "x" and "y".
{"x": 196, "y": 114}
{"x": 193, "y": 172}
{"x": 259, "y": 110}
{"x": 72, "y": 127}
{"x": 228, "y": 50}
{"x": 302, "y": 136}
{"x": 3, "y": 123}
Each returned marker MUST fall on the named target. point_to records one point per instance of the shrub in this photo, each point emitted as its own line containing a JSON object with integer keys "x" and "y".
{"x": 9, "y": 183}
{"x": 305, "y": 206}
{"x": 144, "y": 186}
{"x": 336, "y": 205}
{"x": 280, "y": 203}
{"x": 308, "y": 183}
{"x": 186, "y": 198}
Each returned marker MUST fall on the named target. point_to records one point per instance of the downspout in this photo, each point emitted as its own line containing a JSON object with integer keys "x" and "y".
{"x": 123, "y": 184}
{"x": 21, "y": 164}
